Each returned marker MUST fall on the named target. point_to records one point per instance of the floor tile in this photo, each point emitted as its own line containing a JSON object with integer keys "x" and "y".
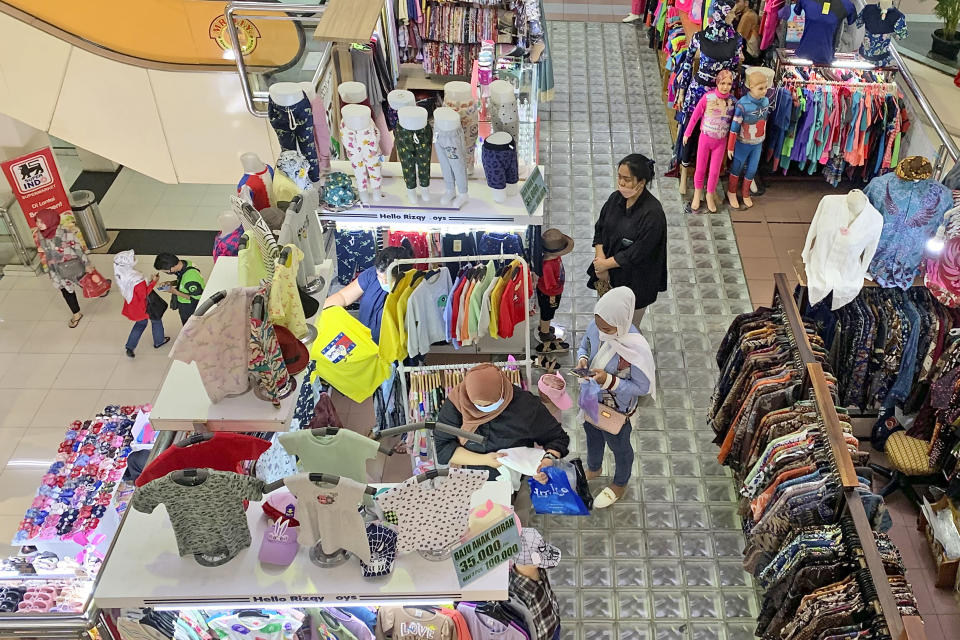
{"x": 33, "y": 370}
{"x": 86, "y": 371}
{"x": 18, "y": 406}
{"x": 60, "y": 407}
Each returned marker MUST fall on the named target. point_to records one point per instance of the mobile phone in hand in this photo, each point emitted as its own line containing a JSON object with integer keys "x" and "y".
{"x": 581, "y": 372}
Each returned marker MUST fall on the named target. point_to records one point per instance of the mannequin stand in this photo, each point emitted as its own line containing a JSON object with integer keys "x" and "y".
{"x": 327, "y": 560}
{"x": 213, "y": 559}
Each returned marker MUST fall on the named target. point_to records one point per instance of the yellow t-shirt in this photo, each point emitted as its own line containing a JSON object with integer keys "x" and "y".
{"x": 346, "y": 355}
{"x": 250, "y": 269}
{"x": 402, "y": 309}
{"x": 495, "y": 296}
{"x": 284, "y": 305}
{"x": 391, "y": 348}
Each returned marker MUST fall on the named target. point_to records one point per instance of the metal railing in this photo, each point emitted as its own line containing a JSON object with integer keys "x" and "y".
{"x": 18, "y": 245}
{"x": 293, "y": 12}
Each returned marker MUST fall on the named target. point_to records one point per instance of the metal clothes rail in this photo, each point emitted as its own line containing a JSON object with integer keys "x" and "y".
{"x": 871, "y": 575}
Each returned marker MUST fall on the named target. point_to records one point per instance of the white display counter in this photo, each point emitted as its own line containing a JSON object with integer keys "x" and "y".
{"x": 481, "y": 211}
{"x": 144, "y": 569}
{"x": 183, "y": 404}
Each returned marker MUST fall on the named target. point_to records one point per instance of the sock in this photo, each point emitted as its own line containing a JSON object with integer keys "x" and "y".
{"x": 732, "y": 183}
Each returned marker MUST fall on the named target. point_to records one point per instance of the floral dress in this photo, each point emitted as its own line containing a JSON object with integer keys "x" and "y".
{"x": 62, "y": 247}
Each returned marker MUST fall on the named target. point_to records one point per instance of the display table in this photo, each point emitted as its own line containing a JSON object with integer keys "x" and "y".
{"x": 145, "y": 570}
{"x": 183, "y": 404}
{"x": 481, "y": 211}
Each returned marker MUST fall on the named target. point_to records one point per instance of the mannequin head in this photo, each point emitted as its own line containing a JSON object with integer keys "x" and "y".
{"x": 401, "y": 98}
{"x": 457, "y": 91}
{"x": 502, "y": 92}
{"x": 446, "y": 119}
{"x": 228, "y": 222}
{"x": 352, "y": 92}
{"x": 724, "y": 82}
{"x": 759, "y": 80}
{"x": 252, "y": 163}
{"x": 633, "y": 174}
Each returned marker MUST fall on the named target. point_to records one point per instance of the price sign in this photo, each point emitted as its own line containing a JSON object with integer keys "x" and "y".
{"x": 533, "y": 191}
{"x": 488, "y": 550}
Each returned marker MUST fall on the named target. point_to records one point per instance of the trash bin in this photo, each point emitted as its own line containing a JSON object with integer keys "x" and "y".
{"x": 87, "y": 213}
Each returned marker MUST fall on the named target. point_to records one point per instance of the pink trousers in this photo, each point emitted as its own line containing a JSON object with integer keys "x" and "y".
{"x": 637, "y": 7}
{"x": 709, "y": 152}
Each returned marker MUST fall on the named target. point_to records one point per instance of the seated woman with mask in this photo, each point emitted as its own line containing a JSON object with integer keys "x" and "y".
{"x": 486, "y": 403}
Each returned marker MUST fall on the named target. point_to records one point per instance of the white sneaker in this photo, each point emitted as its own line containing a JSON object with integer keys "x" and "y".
{"x": 631, "y": 18}
{"x": 605, "y": 498}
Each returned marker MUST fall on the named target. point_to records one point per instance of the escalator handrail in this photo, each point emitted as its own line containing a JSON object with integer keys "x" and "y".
{"x": 232, "y": 9}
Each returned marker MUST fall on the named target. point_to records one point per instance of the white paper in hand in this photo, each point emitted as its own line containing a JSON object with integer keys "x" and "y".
{"x": 526, "y": 460}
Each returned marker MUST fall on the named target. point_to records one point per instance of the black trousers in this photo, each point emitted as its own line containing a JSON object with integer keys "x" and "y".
{"x": 71, "y": 299}
{"x": 186, "y": 310}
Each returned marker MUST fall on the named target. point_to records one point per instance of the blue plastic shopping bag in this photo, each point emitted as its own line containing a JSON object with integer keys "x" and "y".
{"x": 556, "y": 497}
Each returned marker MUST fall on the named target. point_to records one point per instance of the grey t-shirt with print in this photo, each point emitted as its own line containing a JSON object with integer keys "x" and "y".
{"x": 208, "y": 518}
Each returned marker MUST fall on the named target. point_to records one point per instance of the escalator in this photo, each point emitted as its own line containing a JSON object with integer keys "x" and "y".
{"x": 151, "y": 84}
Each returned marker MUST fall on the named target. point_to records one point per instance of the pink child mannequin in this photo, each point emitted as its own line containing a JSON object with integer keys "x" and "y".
{"x": 716, "y": 110}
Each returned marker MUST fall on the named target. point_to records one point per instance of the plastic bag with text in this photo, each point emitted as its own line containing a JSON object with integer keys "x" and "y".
{"x": 556, "y": 497}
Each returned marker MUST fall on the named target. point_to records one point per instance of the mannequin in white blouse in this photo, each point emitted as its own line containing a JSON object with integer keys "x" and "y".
{"x": 841, "y": 241}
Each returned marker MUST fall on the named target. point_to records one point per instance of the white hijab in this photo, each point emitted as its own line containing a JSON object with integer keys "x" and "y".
{"x": 616, "y": 308}
{"x": 125, "y": 273}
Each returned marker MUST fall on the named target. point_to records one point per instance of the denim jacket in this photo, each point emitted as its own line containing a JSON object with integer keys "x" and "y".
{"x": 632, "y": 384}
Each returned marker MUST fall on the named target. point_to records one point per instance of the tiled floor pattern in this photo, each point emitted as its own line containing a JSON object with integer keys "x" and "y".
{"x": 664, "y": 563}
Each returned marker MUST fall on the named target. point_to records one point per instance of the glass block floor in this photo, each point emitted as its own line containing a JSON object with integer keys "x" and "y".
{"x": 664, "y": 562}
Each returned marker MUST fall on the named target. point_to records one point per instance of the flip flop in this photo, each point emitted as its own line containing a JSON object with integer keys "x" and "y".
{"x": 552, "y": 346}
{"x": 74, "y": 322}
{"x": 548, "y": 364}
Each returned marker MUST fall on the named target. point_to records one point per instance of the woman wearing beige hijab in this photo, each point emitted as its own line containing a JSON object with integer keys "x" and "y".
{"x": 486, "y": 403}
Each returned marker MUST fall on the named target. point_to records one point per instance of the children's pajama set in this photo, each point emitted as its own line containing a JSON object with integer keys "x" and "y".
{"x": 295, "y": 131}
{"x": 363, "y": 149}
{"x": 470, "y": 121}
{"x": 413, "y": 148}
{"x": 451, "y": 153}
{"x": 500, "y": 164}
{"x": 716, "y": 111}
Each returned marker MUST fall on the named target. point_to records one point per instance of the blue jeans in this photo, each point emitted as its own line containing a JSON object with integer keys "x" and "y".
{"x": 156, "y": 326}
{"x": 745, "y": 156}
{"x": 620, "y": 445}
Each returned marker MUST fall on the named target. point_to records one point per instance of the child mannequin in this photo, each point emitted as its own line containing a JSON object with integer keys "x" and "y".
{"x": 716, "y": 109}
{"x": 747, "y": 131}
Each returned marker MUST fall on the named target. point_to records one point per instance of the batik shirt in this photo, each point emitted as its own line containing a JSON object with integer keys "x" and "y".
{"x": 912, "y": 211}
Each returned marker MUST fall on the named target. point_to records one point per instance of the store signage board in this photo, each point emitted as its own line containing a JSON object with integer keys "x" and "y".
{"x": 534, "y": 191}
{"x": 423, "y": 216}
{"x": 485, "y": 552}
{"x": 36, "y": 184}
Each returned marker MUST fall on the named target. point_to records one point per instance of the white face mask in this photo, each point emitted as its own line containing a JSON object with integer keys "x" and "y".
{"x": 629, "y": 193}
{"x": 490, "y": 408}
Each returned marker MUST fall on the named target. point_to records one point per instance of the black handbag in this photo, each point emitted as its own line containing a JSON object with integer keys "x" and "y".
{"x": 156, "y": 306}
{"x": 582, "y": 488}
{"x": 69, "y": 270}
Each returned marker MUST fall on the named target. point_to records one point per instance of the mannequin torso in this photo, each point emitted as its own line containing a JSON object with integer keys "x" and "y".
{"x": 448, "y": 140}
{"x": 361, "y": 139}
{"x": 459, "y": 97}
{"x": 414, "y": 139}
{"x": 399, "y": 98}
{"x": 287, "y": 94}
{"x": 356, "y": 117}
{"x": 412, "y": 118}
{"x": 352, "y": 92}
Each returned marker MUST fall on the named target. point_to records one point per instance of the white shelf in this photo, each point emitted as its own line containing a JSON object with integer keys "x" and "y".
{"x": 183, "y": 404}
{"x": 395, "y": 210}
{"x": 144, "y": 569}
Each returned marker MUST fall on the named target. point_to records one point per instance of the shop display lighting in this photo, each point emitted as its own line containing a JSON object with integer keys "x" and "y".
{"x": 399, "y": 602}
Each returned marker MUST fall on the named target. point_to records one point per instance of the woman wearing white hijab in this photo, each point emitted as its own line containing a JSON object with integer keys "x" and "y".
{"x": 135, "y": 290}
{"x": 621, "y": 363}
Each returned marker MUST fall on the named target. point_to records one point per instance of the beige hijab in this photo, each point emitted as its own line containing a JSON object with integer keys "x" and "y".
{"x": 483, "y": 383}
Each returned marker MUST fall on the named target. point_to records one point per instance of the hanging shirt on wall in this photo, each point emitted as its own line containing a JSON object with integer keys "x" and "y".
{"x": 269, "y": 626}
{"x": 222, "y": 452}
{"x": 330, "y": 514}
{"x": 433, "y": 519}
{"x": 424, "y": 318}
{"x": 207, "y": 518}
{"x": 343, "y": 454}
{"x": 820, "y": 25}
{"x": 408, "y": 623}
{"x": 218, "y": 342}
{"x": 261, "y": 187}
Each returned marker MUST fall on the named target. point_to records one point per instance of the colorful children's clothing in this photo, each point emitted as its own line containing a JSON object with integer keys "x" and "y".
{"x": 356, "y": 251}
{"x": 330, "y": 515}
{"x": 451, "y": 154}
{"x": 747, "y": 132}
{"x": 500, "y": 164}
{"x": 716, "y": 112}
{"x": 880, "y": 28}
{"x": 227, "y": 245}
{"x": 261, "y": 187}
{"x": 363, "y": 150}
{"x": 469, "y": 121}
{"x": 413, "y": 148}
{"x": 295, "y": 132}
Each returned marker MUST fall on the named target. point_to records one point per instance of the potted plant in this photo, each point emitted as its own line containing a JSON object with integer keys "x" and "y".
{"x": 946, "y": 40}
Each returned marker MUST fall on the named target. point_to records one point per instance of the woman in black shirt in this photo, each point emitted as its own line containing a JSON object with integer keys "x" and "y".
{"x": 630, "y": 237}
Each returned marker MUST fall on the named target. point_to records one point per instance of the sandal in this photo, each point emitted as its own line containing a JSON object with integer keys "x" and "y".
{"x": 548, "y": 364}
{"x": 74, "y": 322}
{"x": 552, "y": 346}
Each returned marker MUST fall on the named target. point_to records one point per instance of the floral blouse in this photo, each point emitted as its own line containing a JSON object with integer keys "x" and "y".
{"x": 62, "y": 247}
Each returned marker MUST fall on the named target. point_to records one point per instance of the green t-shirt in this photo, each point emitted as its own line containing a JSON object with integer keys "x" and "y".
{"x": 344, "y": 454}
{"x": 190, "y": 282}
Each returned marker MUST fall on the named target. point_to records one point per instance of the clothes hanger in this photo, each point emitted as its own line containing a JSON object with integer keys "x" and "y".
{"x": 189, "y": 477}
{"x": 284, "y": 257}
{"x": 210, "y": 302}
{"x": 331, "y": 431}
{"x": 433, "y": 473}
{"x": 252, "y": 613}
{"x": 258, "y": 307}
{"x": 242, "y": 243}
{"x": 196, "y": 438}
{"x": 295, "y": 204}
{"x": 327, "y": 478}
{"x": 430, "y": 426}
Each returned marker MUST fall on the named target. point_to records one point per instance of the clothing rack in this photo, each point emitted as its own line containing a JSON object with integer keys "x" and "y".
{"x": 871, "y": 577}
{"x": 889, "y": 86}
{"x": 527, "y": 361}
